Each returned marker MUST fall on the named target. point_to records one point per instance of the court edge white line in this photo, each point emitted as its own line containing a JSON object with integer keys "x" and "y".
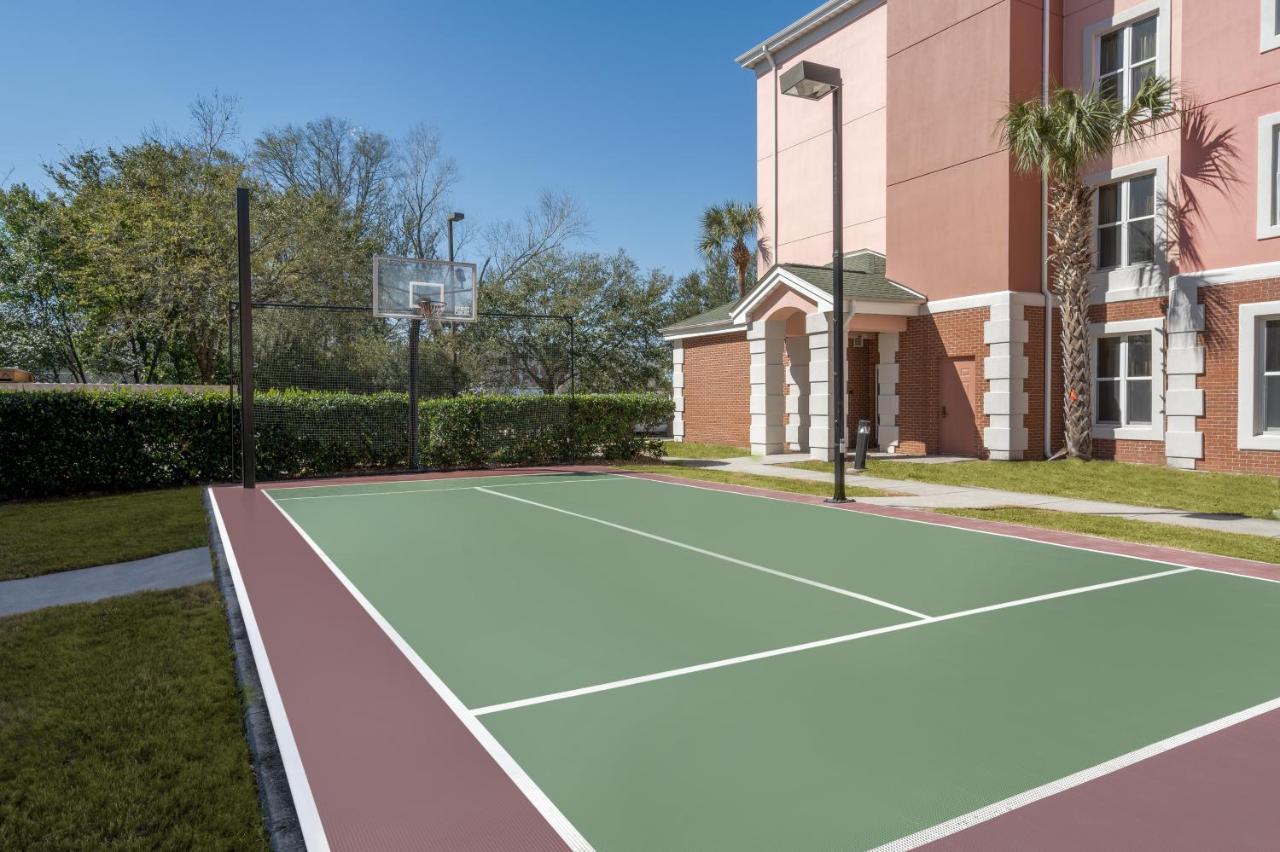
{"x": 996, "y": 809}
{"x": 304, "y": 802}
{"x": 808, "y": 646}
{"x": 731, "y": 559}
{"x": 441, "y": 490}
{"x": 356, "y": 480}
{"x": 1154, "y": 560}
{"x": 540, "y": 800}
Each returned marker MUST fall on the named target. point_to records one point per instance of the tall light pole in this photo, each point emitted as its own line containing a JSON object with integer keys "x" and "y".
{"x": 814, "y": 82}
{"x": 453, "y": 327}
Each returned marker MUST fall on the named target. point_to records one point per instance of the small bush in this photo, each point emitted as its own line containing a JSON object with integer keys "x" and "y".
{"x": 70, "y": 442}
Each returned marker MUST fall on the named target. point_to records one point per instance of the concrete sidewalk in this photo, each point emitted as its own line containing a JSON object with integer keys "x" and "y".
{"x": 930, "y": 495}
{"x": 167, "y": 571}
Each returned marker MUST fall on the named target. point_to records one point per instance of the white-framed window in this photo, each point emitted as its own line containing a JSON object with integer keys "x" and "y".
{"x": 1130, "y": 231}
{"x": 1128, "y": 379}
{"x": 1258, "y": 396}
{"x": 1122, "y": 380}
{"x": 1126, "y": 222}
{"x": 1122, "y": 51}
{"x": 1270, "y": 25}
{"x": 1269, "y": 175}
{"x": 1127, "y": 57}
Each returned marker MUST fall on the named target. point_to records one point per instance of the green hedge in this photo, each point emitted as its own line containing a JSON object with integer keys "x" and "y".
{"x": 69, "y": 442}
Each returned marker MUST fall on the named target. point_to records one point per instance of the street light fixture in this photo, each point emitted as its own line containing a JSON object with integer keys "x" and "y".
{"x": 814, "y": 82}
{"x": 453, "y": 217}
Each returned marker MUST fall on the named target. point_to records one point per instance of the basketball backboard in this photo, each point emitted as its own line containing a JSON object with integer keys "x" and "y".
{"x": 402, "y": 284}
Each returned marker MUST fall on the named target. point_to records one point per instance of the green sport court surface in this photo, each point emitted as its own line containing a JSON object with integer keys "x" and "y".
{"x": 678, "y": 667}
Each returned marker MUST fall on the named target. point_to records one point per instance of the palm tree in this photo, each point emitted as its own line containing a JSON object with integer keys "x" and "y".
{"x": 726, "y": 229}
{"x": 1057, "y": 140}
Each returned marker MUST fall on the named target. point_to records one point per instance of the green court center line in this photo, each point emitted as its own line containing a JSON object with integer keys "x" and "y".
{"x": 703, "y": 552}
{"x": 820, "y": 643}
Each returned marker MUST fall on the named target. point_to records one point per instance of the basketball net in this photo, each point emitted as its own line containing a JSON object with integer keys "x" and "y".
{"x": 431, "y": 313}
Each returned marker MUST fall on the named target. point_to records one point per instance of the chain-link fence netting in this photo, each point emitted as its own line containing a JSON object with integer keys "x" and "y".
{"x": 332, "y": 390}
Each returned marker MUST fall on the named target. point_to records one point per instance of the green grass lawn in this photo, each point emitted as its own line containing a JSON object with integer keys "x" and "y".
{"x": 121, "y": 728}
{"x": 1205, "y": 541}
{"x": 1116, "y": 482}
{"x": 44, "y": 536}
{"x": 694, "y": 450}
{"x": 776, "y": 483}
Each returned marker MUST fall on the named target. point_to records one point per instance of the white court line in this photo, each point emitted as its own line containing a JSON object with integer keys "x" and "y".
{"x": 807, "y": 646}
{"x": 435, "y": 490}
{"x": 951, "y": 826}
{"x": 552, "y": 814}
{"x": 753, "y": 566}
{"x": 695, "y": 484}
{"x": 303, "y": 801}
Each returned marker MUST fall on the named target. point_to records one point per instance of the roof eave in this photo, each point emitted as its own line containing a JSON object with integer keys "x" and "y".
{"x": 796, "y": 30}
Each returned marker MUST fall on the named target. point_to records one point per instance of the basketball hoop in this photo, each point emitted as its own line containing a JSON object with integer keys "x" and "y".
{"x": 431, "y": 313}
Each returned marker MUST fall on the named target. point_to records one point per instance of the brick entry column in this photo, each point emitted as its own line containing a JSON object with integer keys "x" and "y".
{"x": 797, "y": 406}
{"x": 765, "y": 340}
{"x": 677, "y": 390}
{"x": 1005, "y": 368}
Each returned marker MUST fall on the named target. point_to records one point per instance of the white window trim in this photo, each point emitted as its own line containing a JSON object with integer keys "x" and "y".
{"x": 1249, "y": 389}
{"x": 1094, "y": 32}
{"x": 1155, "y": 430}
{"x": 1270, "y": 26}
{"x": 1145, "y": 280}
{"x": 1266, "y": 175}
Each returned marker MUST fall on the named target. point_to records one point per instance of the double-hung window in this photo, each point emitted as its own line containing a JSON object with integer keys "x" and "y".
{"x": 1270, "y": 25}
{"x": 1122, "y": 380}
{"x": 1126, "y": 58}
{"x": 1269, "y": 176}
{"x": 1270, "y": 378}
{"x": 1126, "y": 234}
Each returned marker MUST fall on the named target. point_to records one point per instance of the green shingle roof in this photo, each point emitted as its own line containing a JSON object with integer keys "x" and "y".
{"x": 864, "y": 280}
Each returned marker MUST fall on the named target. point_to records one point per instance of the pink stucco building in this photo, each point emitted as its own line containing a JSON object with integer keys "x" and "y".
{"x": 951, "y": 331}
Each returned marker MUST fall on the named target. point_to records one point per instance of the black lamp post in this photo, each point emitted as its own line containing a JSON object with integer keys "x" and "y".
{"x": 814, "y": 82}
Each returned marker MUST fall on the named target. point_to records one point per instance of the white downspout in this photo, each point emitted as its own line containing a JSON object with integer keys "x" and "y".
{"x": 777, "y": 202}
{"x": 1044, "y": 252}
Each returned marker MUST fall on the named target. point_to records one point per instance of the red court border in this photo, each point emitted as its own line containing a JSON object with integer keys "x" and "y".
{"x": 389, "y": 765}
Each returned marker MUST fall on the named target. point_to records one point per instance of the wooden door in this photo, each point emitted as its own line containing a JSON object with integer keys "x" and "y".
{"x": 957, "y": 428}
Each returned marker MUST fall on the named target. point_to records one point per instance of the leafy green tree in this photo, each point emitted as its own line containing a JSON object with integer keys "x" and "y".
{"x": 1057, "y": 139}
{"x": 618, "y": 311}
{"x": 42, "y": 314}
{"x": 702, "y": 290}
{"x": 729, "y": 230}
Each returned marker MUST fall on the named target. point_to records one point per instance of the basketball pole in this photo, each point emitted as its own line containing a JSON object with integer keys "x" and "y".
{"x": 248, "y": 455}
{"x": 415, "y": 327}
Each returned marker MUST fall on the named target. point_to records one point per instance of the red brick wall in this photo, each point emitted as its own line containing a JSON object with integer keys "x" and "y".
{"x": 1034, "y": 385}
{"x": 927, "y": 340}
{"x": 717, "y": 390}
{"x": 1221, "y": 339}
{"x": 861, "y": 383}
{"x": 1142, "y": 452}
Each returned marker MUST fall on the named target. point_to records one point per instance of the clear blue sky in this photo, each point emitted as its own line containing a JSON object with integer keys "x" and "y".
{"x": 637, "y": 109}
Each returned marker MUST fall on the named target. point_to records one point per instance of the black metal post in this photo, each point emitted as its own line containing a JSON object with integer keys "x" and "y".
{"x": 453, "y": 329}
{"x": 839, "y": 427}
{"x": 415, "y": 328}
{"x": 248, "y": 455}
{"x": 573, "y": 394}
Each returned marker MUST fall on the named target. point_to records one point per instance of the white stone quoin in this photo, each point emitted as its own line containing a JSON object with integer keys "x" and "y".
{"x": 887, "y": 392}
{"x": 797, "y": 431}
{"x": 1184, "y": 360}
{"x": 765, "y": 340}
{"x": 1005, "y": 367}
{"x": 677, "y": 389}
{"x": 818, "y": 326}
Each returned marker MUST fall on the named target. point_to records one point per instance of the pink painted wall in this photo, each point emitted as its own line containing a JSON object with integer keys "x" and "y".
{"x": 802, "y": 212}
{"x": 782, "y": 302}
{"x": 959, "y": 221}
{"x": 1225, "y": 71}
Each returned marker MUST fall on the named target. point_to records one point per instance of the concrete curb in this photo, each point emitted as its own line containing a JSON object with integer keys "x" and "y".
{"x": 279, "y": 815}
